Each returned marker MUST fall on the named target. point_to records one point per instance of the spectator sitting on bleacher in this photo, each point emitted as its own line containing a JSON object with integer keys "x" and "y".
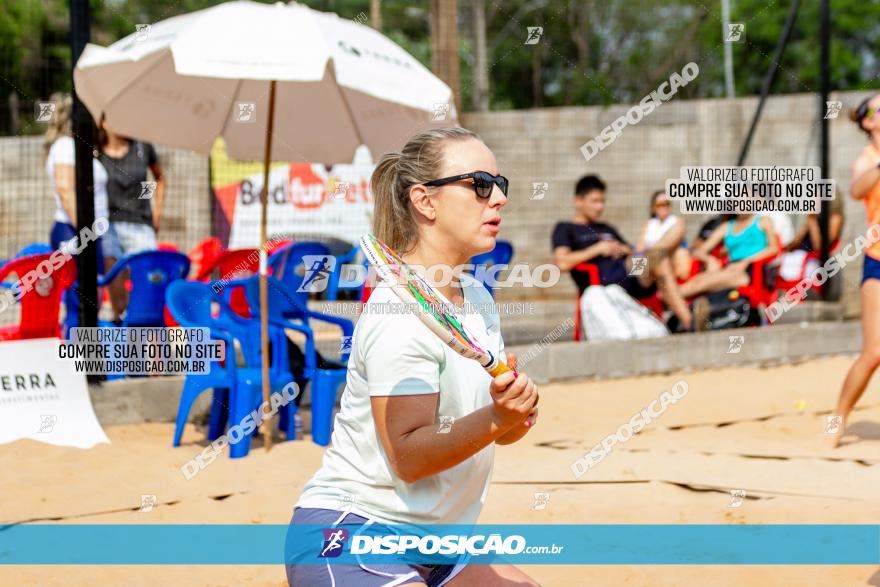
{"x": 705, "y": 232}
{"x": 808, "y": 239}
{"x": 664, "y": 231}
{"x": 586, "y": 239}
{"x": 747, "y": 238}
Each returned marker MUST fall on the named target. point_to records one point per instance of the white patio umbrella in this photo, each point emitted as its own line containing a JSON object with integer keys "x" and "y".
{"x": 277, "y": 82}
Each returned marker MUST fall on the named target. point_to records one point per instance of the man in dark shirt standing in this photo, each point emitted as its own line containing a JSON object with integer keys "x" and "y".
{"x": 587, "y": 240}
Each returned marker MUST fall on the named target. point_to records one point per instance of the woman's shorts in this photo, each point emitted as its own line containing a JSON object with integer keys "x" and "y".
{"x": 322, "y": 575}
{"x": 126, "y": 238}
{"x": 871, "y": 269}
{"x": 61, "y": 235}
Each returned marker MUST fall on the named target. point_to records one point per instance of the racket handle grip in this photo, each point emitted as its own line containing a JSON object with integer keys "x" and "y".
{"x": 501, "y": 368}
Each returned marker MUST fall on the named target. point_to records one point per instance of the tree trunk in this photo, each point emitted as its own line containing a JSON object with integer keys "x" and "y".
{"x": 14, "y": 114}
{"x": 444, "y": 45}
{"x": 480, "y": 95}
{"x": 376, "y": 14}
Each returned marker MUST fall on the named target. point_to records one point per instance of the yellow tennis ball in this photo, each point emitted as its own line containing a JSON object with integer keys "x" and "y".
{"x": 800, "y": 404}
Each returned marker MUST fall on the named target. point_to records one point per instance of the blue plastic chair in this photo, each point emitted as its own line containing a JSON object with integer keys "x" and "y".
{"x": 286, "y": 264}
{"x": 151, "y": 274}
{"x": 247, "y": 331}
{"x": 190, "y": 304}
{"x": 334, "y": 286}
{"x": 237, "y": 390}
{"x": 500, "y": 255}
{"x": 284, "y": 310}
{"x": 34, "y": 249}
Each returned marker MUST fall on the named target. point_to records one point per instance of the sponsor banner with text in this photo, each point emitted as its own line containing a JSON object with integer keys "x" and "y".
{"x": 42, "y": 397}
{"x": 304, "y": 198}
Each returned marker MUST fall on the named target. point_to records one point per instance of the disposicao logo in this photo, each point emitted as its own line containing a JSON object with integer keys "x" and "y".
{"x": 334, "y": 541}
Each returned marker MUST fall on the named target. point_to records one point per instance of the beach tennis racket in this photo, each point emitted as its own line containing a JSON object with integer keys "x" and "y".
{"x": 430, "y": 307}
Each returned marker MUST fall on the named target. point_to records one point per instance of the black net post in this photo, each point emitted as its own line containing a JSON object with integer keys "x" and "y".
{"x": 82, "y": 129}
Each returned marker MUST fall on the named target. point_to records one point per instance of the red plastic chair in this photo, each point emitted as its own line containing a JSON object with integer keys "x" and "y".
{"x": 235, "y": 264}
{"x": 593, "y": 271}
{"x": 204, "y": 255}
{"x": 41, "y": 303}
{"x": 785, "y": 284}
{"x": 759, "y": 292}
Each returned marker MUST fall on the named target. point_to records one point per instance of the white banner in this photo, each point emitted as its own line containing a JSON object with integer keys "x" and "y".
{"x": 43, "y": 398}
{"x": 305, "y": 199}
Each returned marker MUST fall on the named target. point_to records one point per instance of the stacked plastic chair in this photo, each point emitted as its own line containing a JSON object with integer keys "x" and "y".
{"x": 325, "y": 377}
{"x": 231, "y": 265}
{"x": 151, "y": 273}
{"x": 41, "y": 298}
{"x": 237, "y": 389}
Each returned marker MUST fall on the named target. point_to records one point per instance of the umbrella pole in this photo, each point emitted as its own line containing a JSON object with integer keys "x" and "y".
{"x": 264, "y": 286}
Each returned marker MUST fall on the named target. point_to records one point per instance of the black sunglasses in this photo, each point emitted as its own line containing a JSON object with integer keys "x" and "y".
{"x": 483, "y": 182}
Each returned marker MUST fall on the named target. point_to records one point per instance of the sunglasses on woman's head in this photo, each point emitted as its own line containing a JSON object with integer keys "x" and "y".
{"x": 865, "y": 112}
{"x": 483, "y": 182}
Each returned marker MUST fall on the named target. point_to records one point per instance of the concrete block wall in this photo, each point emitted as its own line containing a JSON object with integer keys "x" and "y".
{"x": 541, "y": 145}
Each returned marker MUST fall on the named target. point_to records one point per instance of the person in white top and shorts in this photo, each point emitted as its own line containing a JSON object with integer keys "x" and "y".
{"x": 59, "y": 150}
{"x": 414, "y": 440}
{"x": 664, "y": 234}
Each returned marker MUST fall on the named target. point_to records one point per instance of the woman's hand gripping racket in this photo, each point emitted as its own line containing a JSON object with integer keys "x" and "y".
{"x": 431, "y": 309}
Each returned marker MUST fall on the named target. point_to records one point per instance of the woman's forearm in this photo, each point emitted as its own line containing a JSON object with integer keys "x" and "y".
{"x": 702, "y": 256}
{"x": 64, "y": 178}
{"x": 432, "y": 449}
{"x": 159, "y": 203}
{"x": 865, "y": 182}
{"x": 575, "y": 258}
{"x": 514, "y": 434}
{"x": 68, "y": 204}
{"x": 768, "y": 251}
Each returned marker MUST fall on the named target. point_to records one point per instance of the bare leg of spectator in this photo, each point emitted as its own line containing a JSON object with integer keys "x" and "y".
{"x": 118, "y": 294}
{"x": 681, "y": 263}
{"x": 727, "y": 278}
{"x": 670, "y": 246}
{"x": 660, "y": 272}
{"x": 860, "y": 373}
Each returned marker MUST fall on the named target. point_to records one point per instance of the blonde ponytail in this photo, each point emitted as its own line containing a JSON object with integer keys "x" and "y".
{"x": 420, "y": 161}
{"x": 59, "y": 124}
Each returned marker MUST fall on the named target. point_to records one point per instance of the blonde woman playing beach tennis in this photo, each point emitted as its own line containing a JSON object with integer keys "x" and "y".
{"x": 866, "y": 187}
{"x": 414, "y": 440}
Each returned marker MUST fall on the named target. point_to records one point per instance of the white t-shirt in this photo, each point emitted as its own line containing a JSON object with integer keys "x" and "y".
{"x": 396, "y": 354}
{"x": 656, "y": 229}
{"x": 62, "y": 153}
{"x": 782, "y": 225}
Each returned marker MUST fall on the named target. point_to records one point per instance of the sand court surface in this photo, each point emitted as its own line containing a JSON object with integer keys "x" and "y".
{"x": 756, "y": 430}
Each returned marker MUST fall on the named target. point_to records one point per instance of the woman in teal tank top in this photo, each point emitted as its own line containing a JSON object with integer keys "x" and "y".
{"x": 745, "y": 244}
{"x": 747, "y": 238}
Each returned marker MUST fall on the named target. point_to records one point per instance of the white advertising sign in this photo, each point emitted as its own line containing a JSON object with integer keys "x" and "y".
{"x": 43, "y": 398}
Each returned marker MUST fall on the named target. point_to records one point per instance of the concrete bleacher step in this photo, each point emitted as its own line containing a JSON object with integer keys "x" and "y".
{"x": 530, "y": 322}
